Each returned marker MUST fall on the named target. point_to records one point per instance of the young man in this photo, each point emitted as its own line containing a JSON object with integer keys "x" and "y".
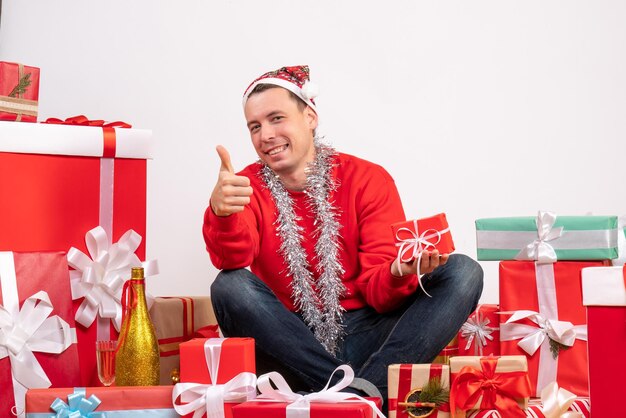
{"x": 314, "y": 226}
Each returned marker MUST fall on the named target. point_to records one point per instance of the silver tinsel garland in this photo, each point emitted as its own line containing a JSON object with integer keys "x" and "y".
{"x": 321, "y": 311}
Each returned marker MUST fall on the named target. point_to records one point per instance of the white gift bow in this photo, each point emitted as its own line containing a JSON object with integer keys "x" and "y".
{"x": 300, "y": 405}
{"x": 532, "y": 337}
{"x": 100, "y": 279}
{"x": 477, "y": 328}
{"x": 32, "y": 330}
{"x": 210, "y": 398}
{"x": 539, "y": 249}
{"x": 417, "y": 244}
{"x": 556, "y": 402}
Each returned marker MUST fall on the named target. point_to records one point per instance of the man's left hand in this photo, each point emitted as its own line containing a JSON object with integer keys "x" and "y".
{"x": 429, "y": 261}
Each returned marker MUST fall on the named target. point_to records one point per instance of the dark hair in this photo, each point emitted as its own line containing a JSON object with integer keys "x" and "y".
{"x": 259, "y": 88}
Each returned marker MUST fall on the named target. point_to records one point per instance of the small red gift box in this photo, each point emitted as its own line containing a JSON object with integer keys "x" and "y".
{"x": 480, "y": 334}
{"x": 176, "y": 320}
{"x": 427, "y": 234}
{"x": 127, "y": 401}
{"x": 236, "y": 356}
{"x": 604, "y": 294}
{"x": 19, "y": 92}
{"x": 405, "y": 378}
{"x": 489, "y": 383}
{"x": 258, "y": 409}
{"x": 64, "y": 180}
{"x": 38, "y": 347}
{"x": 548, "y": 321}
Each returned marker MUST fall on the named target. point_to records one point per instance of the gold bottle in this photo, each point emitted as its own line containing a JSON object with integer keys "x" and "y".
{"x": 137, "y": 359}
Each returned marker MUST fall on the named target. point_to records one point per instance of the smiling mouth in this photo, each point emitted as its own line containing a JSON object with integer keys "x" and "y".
{"x": 277, "y": 150}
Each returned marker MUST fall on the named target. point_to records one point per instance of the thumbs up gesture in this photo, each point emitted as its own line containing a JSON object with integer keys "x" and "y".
{"x": 232, "y": 192}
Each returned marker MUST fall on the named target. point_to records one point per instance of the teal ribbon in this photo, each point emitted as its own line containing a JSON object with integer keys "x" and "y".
{"x": 77, "y": 406}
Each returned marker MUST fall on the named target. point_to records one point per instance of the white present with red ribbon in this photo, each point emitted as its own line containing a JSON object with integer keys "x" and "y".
{"x": 37, "y": 334}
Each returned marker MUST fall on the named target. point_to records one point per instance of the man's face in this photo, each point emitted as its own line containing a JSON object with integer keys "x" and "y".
{"x": 281, "y": 133}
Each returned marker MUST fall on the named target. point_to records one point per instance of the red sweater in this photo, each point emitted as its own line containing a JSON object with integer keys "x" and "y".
{"x": 368, "y": 203}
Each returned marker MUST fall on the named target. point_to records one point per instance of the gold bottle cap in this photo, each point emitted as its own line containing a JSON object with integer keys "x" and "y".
{"x": 136, "y": 273}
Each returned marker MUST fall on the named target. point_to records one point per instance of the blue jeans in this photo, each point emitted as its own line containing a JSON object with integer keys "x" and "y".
{"x": 414, "y": 333}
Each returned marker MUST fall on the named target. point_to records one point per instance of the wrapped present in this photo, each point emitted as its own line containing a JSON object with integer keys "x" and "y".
{"x": 604, "y": 294}
{"x": 100, "y": 402}
{"x": 64, "y": 180}
{"x": 216, "y": 374}
{"x": 450, "y": 350}
{"x": 230, "y": 357}
{"x": 406, "y": 381}
{"x": 554, "y": 403}
{"x": 427, "y": 234}
{"x": 480, "y": 334}
{"x": 276, "y": 399}
{"x": 37, "y": 334}
{"x": 176, "y": 320}
{"x": 543, "y": 318}
{"x": 547, "y": 238}
{"x": 499, "y": 383}
{"x": 19, "y": 92}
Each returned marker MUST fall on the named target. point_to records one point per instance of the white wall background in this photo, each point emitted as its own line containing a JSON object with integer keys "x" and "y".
{"x": 477, "y": 108}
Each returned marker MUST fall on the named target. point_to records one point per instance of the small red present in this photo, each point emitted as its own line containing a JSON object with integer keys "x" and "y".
{"x": 277, "y": 400}
{"x": 604, "y": 294}
{"x": 489, "y": 383}
{"x": 543, "y": 318}
{"x": 427, "y": 234}
{"x": 93, "y": 401}
{"x": 176, "y": 320}
{"x": 480, "y": 334}
{"x": 225, "y": 359}
{"x": 37, "y": 334}
{"x": 19, "y": 92}
{"x": 64, "y": 180}
{"x": 215, "y": 371}
{"x": 403, "y": 379}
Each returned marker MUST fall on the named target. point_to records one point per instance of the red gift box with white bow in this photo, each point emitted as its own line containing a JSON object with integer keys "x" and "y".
{"x": 37, "y": 333}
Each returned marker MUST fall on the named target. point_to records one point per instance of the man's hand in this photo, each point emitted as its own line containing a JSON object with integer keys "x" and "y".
{"x": 430, "y": 261}
{"x": 232, "y": 192}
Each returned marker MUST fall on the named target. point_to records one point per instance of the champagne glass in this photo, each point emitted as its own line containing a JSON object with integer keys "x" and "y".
{"x": 105, "y": 353}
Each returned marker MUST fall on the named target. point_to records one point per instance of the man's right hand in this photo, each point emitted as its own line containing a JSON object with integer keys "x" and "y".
{"x": 232, "y": 192}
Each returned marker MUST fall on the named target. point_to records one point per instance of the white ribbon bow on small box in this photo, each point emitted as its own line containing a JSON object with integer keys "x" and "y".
{"x": 477, "y": 330}
{"x": 210, "y": 398}
{"x": 300, "y": 405}
{"x": 100, "y": 278}
{"x": 540, "y": 249}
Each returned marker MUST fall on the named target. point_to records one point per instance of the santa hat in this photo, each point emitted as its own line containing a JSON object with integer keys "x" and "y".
{"x": 295, "y": 79}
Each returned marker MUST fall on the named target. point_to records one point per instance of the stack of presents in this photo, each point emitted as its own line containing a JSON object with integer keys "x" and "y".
{"x": 72, "y": 224}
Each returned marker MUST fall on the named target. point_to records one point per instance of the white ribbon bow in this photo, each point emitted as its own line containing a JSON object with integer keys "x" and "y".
{"x": 477, "y": 328}
{"x": 415, "y": 245}
{"x": 210, "y": 398}
{"x": 100, "y": 278}
{"x": 539, "y": 249}
{"x": 32, "y": 330}
{"x": 556, "y": 402}
{"x": 300, "y": 405}
{"x": 531, "y": 337}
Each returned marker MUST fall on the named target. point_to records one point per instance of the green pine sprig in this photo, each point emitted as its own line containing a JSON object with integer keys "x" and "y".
{"x": 434, "y": 392}
{"x": 22, "y": 85}
{"x": 556, "y": 347}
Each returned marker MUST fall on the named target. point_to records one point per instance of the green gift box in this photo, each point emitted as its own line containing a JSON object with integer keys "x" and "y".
{"x": 547, "y": 238}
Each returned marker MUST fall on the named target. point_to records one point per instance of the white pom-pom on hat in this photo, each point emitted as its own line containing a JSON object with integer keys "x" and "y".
{"x": 310, "y": 90}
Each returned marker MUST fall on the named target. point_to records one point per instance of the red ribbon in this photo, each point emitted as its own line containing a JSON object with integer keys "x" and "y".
{"x": 129, "y": 301}
{"x": 498, "y": 390}
{"x": 108, "y": 130}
